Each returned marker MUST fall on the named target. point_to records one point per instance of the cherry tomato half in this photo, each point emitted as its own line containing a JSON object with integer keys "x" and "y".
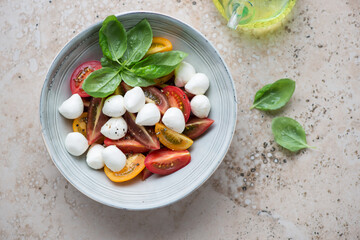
{"x": 197, "y": 126}
{"x": 159, "y": 44}
{"x": 177, "y": 98}
{"x": 165, "y": 161}
{"x": 80, "y": 74}
{"x": 172, "y": 139}
{"x": 145, "y": 174}
{"x": 189, "y": 95}
{"x": 127, "y": 145}
{"x": 154, "y": 95}
{"x": 134, "y": 166}
{"x": 145, "y": 135}
{"x": 79, "y": 124}
{"x": 96, "y": 119}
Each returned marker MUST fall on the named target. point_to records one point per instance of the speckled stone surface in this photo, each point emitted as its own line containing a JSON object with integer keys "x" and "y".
{"x": 260, "y": 191}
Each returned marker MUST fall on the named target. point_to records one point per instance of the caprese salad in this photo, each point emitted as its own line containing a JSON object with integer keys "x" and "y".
{"x": 137, "y": 110}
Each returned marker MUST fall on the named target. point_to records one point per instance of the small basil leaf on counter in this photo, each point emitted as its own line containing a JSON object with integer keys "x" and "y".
{"x": 289, "y": 133}
{"x": 132, "y": 80}
{"x": 105, "y": 62}
{"x": 274, "y": 96}
{"x": 159, "y": 64}
{"x": 112, "y": 38}
{"x": 101, "y": 83}
{"x": 139, "y": 39}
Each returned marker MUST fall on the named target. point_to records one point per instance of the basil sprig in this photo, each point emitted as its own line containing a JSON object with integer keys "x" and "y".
{"x": 289, "y": 133}
{"x": 112, "y": 38}
{"x": 123, "y": 59}
{"x": 132, "y": 79}
{"x": 158, "y": 64}
{"x": 102, "y": 82}
{"x": 275, "y": 95}
{"x": 139, "y": 40}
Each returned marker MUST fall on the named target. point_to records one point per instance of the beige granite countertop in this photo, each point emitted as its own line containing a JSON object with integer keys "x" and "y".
{"x": 259, "y": 192}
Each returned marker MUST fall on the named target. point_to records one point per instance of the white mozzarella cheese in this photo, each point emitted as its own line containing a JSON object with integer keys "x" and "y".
{"x": 183, "y": 73}
{"x": 134, "y": 99}
{"x": 198, "y": 84}
{"x": 114, "y": 106}
{"x": 200, "y": 106}
{"x": 75, "y": 143}
{"x": 94, "y": 157}
{"x": 174, "y": 119}
{"x": 73, "y": 107}
{"x": 114, "y": 128}
{"x": 149, "y": 115}
{"x": 114, "y": 158}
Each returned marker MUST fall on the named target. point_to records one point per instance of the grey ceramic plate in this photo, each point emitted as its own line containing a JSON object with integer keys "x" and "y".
{"x": 207, "y": 152}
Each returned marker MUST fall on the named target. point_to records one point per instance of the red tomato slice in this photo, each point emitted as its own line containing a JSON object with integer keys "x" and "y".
{"x": 96, "y": 119}
{"x": 154, "y": 95}
{"x": 80, "y": 74}
{"x": 145, "y": 174}
{"x": 145, "y": 135}
{"x": 177, "y": 98}
{"x": 165, "y": 161}
{"x": 197, "y": 126}
{"x": 127, "y": 145}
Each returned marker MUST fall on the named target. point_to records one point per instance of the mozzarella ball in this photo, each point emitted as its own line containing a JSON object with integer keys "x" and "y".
{"x": 200, "y": 106}
{"x": 73, "y": 107}
{"x": 114, "y": 106}
{"x": 148, "y": 115}
{"x": 183, "y": 73}
{"x": 134, "y": 99}
{"x": 114, "y": 158}
{"x": 198, "y": 84}
{"x": 114, "y": 128}
{"x": 174, "y": 119}
{"x": 75, "y": 143}
{"x": 94, "y": 156}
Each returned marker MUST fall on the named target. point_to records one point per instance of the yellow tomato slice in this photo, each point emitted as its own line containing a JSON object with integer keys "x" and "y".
{"x": 79, "y": 124}
{"x": 134, "y": 166}
{"x": 159, "y": 44}
{"x": 172, "y": 139}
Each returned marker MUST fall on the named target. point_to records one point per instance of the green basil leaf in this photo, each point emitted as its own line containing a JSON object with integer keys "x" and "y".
{"x": 112, "y": 38}
{"x": 274, "y": 96}
{"x": 139, "y": 39}
{"x": 101, "y": 83}
{"x": 105, "y": 62}
{"x": 131, "y": 79}
{"x": 289, "y": 133}
{"x": 158, "y": 64}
